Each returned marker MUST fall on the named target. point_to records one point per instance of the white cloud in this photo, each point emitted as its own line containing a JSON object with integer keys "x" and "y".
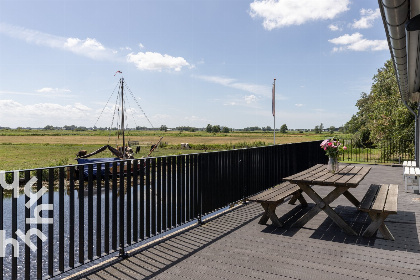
{"x": 141, "y": 46}
{"x": 334, "y": 27}
{"x": 298, "y": 105}
{"x": 156, "y": 61}
{"x": 250, "y": 99}
{"x": 94, "y": 49}
{"x": 282, "y": 13}
{"x": 44, "y": 92}
{"x": 53, "y": 90}
{"x": 232, "y": 83}
{"x": 347, "y": 39}
{"x": 88, "y": 47}
{"x": 367, "y": 18}
{"x": 356, "y": 42}
{"x": 41, "y": 114}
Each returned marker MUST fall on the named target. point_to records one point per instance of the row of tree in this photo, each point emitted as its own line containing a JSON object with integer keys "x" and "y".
{"x": 382, "y": 114}
{"x": 217, "y": 129}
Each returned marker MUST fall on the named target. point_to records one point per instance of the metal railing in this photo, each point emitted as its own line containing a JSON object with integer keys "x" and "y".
{"x": 387, "y": 151}
{"x": 84, "y": 218}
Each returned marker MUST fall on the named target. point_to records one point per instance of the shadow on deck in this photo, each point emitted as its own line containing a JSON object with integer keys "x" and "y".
{"x": 235, "y": 246}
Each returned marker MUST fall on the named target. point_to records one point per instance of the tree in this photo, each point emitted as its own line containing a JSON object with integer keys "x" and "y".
{"x": 331, "y": 129}
{"x": 49, "y": 127}
{"x": 316, "y": 129}
{"x": 209, "y": 128}
{"x": 321, "y": 128}
{"x": 283, "y": 128}
{"x": 163, "y": 128}
{"x": 382, "y": 114}
{"x": 225, "y": 129}
{"x": 215, "y": 129}
{"x": 69, "y": 127}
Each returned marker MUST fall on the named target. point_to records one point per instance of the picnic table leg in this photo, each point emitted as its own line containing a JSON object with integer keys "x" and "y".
{"x": 351, "y": 198}
{"x": 378, "y": 223}
{"x": 323, "y": 204}
{"x": 298, "y": 196}
{"x": 270, "y": 213}
{"x": 265, "y": 216}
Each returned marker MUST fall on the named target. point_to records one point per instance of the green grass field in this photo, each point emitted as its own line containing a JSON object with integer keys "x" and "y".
{"x": 28, "y": 149}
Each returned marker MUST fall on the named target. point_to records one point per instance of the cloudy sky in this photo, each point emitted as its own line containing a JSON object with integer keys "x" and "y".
{"x": 187, "y": 62}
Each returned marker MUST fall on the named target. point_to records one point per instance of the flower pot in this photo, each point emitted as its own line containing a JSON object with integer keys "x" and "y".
{"x": 333, "y": 166}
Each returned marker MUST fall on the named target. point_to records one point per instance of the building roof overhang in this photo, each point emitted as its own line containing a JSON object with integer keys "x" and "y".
{"x": 402, "y": 32}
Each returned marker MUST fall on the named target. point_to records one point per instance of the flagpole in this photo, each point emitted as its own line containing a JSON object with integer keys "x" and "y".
{"x": 274, "y": 109}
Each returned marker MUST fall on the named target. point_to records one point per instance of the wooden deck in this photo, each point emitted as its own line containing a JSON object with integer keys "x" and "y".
{"x": 235, "y": 246}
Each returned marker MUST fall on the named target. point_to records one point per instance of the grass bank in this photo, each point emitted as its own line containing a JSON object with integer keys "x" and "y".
{"x": 42, "y": 148}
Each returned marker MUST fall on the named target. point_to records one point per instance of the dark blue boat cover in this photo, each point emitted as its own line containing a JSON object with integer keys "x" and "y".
{"x": 95, "y": 160}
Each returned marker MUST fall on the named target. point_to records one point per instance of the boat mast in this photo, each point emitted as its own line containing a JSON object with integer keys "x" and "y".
{"x": 122, "y": 115}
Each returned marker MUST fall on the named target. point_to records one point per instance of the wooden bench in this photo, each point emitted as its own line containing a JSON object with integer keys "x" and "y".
{"x": 379, "y": 202}
{"x": 273, "y": 197}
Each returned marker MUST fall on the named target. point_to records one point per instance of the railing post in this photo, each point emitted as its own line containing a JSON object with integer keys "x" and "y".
{"x": 121, "y": 225}
{"x": 201, "y": 168}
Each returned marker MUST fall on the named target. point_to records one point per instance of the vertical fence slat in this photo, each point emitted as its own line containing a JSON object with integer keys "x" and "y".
{"x": 173, "y": 190}
{"x": 14, "y": 229}
{"x": 142, "y": 198}
{"x": 147, "y": 197}
{"x": 129, "y": 202}
{"x": 169, "y": 191}
{"x": 39, "y": 250}
{"x": 106, "y": 218}
{"x": 122, "y": 207}
{"x": 178, "y": 191}
{"x": 98, "y": 209}
{"x": 159, "y": 195}
{"x": 135, "y": 201}
{"x": 153, "y": 193}
{"x": 90, "y": 211}
{"x": 27, "y": 227}
{"x": 71, "y": 217}
{"x": 164, "y": 195}
{"x": 61, "y": 221}
{"x": 188, "y": 187}
{"x": 114, "y": 205}
{"x": 81, "y": 215}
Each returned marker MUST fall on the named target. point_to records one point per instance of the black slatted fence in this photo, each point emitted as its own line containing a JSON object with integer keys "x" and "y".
{"x": 83, "y": 218}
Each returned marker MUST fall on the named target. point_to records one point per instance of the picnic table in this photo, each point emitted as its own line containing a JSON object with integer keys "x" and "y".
{"x": 348, "y": 176}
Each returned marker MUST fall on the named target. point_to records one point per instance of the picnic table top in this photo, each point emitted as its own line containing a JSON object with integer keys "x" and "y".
{"x": 348, "y": 175}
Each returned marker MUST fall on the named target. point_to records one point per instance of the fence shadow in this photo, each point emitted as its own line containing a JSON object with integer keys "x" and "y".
{"x": 156, "y": 258}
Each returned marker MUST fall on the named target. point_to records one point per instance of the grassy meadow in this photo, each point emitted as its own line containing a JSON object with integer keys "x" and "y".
{"x": 28, "y": 149}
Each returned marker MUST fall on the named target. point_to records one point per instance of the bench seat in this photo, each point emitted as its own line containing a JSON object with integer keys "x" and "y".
{"x": 273, "y": 197}
{"x": 379, "y": 202}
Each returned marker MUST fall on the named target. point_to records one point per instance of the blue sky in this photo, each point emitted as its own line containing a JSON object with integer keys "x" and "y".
{"x": 188, "y": 62}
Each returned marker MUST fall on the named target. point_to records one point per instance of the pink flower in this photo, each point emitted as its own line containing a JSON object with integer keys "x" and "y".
{"x": 324, "y": 142}
{"x": 344, "y": 148}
